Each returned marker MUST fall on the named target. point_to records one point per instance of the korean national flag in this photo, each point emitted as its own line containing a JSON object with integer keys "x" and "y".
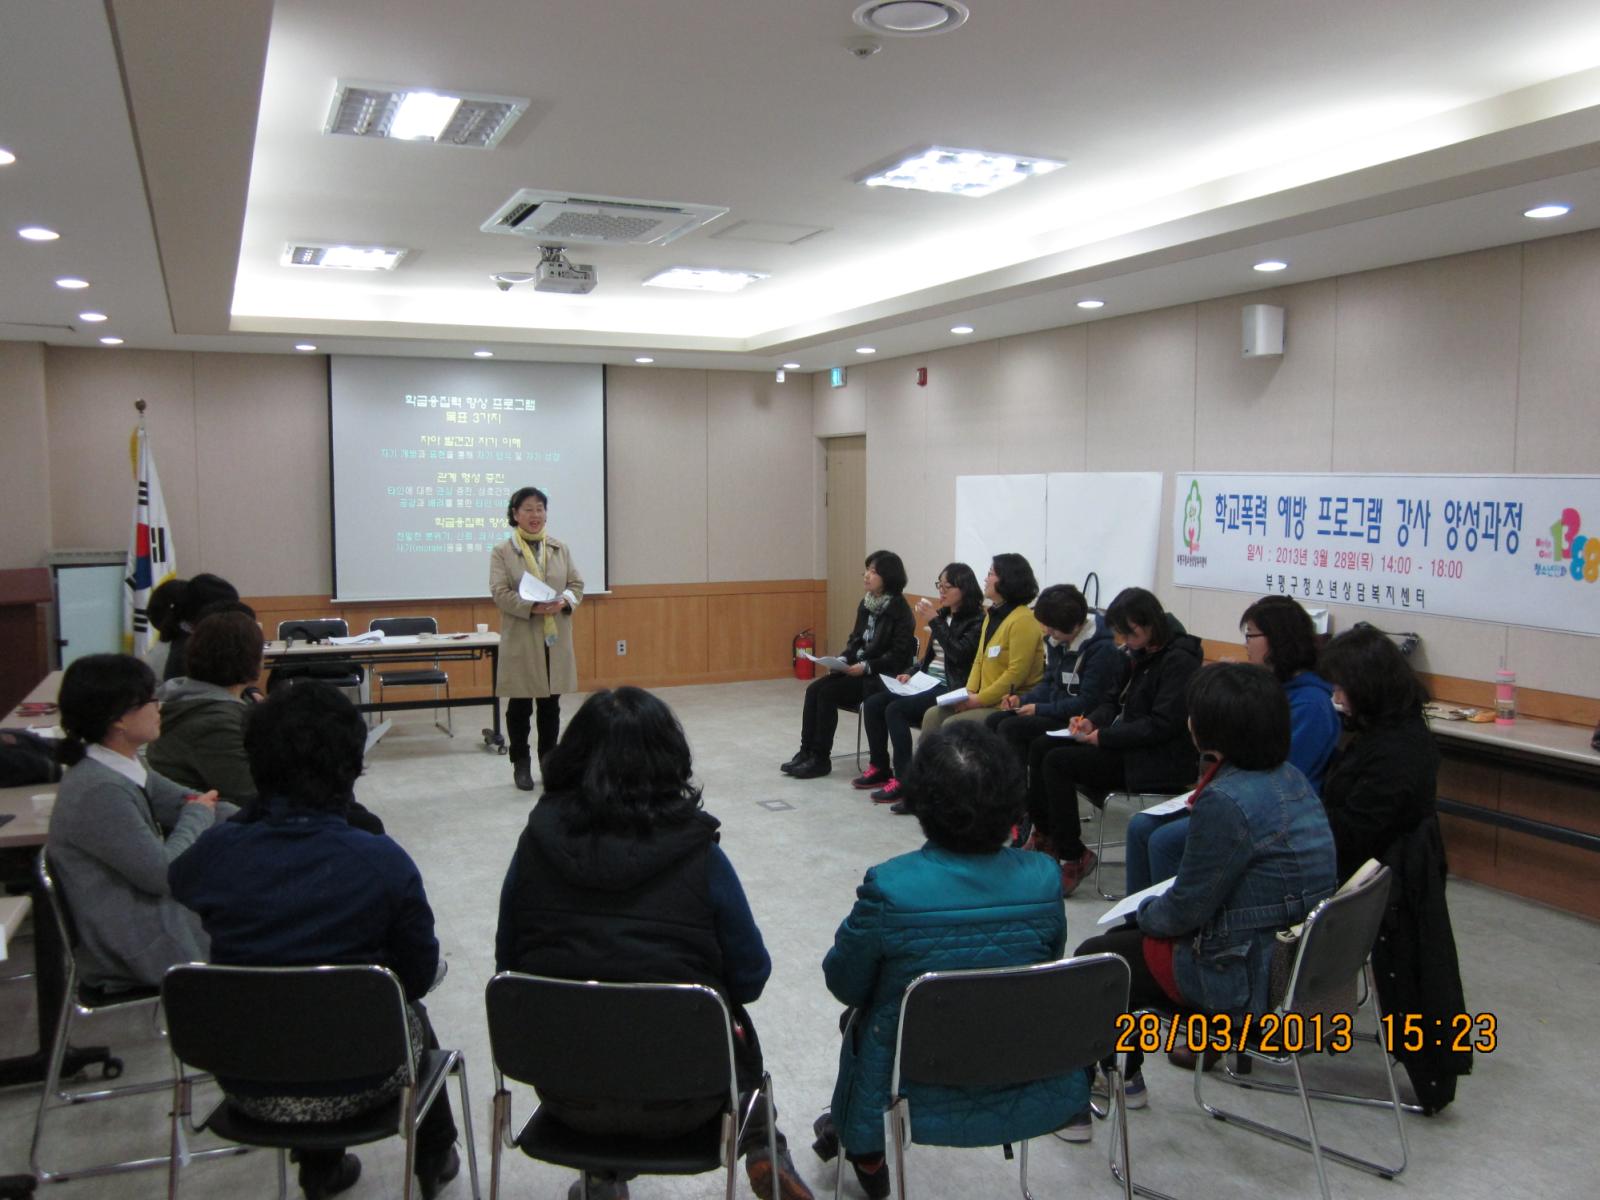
{"x": 151, "y": 557}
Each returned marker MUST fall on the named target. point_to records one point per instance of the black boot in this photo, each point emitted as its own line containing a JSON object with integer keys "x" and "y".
{"x": 522, "y": 771}
{"x": 813, "y": 766}
{"x": 800, "y": 756}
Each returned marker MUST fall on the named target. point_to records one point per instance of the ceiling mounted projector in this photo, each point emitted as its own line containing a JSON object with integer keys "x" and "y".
{"x": 556, "y": 274}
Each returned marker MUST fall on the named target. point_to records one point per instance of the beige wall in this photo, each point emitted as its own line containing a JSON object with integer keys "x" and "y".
{"x": 1480, "y": 362}
{"x": 25, "y": 534}
{"x": 713, "y": 476}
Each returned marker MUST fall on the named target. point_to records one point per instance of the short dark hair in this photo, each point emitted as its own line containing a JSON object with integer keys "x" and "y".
{"x": 97, "y": 691}
{"x": 962, "y": 577}
{"x": 1379, "y": 685}
{"x": 1238, "y": 710}
{"x": 205, "y": 590}
{"x": 162, "y": 609}
{"x": 1013, "y": 579}
{"x": 622, "y": 766}
{"x": 890, "y": 569}
{"x": 517, "y": 499}
{"x": 1061, "y": 606}
{"x": 1136, "y": 606}
{"x": 305, "y": 744}
{"x": 224, "y": 649}
{"x": 965, "y": 786}
{"x": 1291, "y": 637}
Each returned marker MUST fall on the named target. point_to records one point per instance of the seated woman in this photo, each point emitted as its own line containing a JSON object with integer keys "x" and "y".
{"x": 116, "y": 826}
{"x": 1010, "y": 653}
{"x": 1278, "y": 634}
{"x": 883, "y": 643}
{"x": 203, "y": 713}
{"x": 952, "y": 641}
{"x": 161, "y": 610}
{"x": 965, "y": 899}
{"x": 1384, "y": 783}
{"x": 1082, "y": 671}
{"x": 292, "y": 884}
{"x": 1138, "y": 743}
{"x": 1259, "y": 857}
{"x": 618, "y": 877}
{"x": 204, "y": 593}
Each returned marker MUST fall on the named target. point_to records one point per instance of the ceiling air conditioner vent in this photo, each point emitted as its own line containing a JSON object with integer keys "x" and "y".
{"x": 600, "y": 220}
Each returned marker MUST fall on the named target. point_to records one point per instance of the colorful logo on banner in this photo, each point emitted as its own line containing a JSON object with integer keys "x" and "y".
{"x": 1569, "y": 551}
{"x": 1192, "y": 518}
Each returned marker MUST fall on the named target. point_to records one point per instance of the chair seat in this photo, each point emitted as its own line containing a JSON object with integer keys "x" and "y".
{"x": 371, "y": 1126}
{"x": 93, "y": 996}
{"x": 692, "y": 1153}
{"x": 422, "y": 678}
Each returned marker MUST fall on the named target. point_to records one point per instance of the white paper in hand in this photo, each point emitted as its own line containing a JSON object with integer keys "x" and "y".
{"x": 915, "y": 686}
{"x": 831, "y": 661}
{"x": 535, "y": 591}
{"x": 951, "y": 699}
{"x": 1129, "y": 905}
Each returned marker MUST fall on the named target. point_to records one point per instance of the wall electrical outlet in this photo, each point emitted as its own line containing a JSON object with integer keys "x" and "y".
{"x": 622, "y": 647}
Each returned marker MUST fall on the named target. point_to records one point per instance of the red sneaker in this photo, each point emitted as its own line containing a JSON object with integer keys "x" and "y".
{"x": 888, "y": 793}
{"x": 1073, "y": 870}
{"x": 872, "y": 777}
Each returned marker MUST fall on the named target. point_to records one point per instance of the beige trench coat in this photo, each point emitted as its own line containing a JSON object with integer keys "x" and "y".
{"x": 522, "y": 669}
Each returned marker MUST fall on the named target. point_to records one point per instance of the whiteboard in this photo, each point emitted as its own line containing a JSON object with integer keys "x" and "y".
{"x": 1000, "y": 514}
{"x": 1065, "y": 524}
{"x": 1106, "y": 522}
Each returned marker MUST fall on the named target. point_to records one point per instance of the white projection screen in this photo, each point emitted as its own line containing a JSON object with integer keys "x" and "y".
{"x": 426, "y": 453}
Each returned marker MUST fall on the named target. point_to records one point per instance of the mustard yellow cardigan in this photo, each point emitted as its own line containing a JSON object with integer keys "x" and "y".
{"x": 1019, "y": 664}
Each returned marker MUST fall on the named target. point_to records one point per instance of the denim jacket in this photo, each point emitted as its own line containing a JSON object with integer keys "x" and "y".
{"x": 1259, "y": 857}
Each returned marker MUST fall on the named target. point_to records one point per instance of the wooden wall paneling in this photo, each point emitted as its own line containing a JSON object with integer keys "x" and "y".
{"x": 1470, "y": 845}
{"x": 1541, "y": 869}
{"x": 755, "y": 633}
{"x": 666, "y": 636}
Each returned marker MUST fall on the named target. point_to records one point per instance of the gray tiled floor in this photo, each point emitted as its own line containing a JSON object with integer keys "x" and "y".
{"x": 1520, "y": 1127}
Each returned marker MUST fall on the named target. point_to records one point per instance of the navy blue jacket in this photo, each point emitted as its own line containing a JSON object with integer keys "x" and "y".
{"x": 294, "y": 888}
{"x": 1077, "y": 682}
{"x": 1314, "y": 725}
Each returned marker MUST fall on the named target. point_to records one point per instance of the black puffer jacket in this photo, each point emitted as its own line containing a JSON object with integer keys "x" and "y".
{"x": 893, "y": 647}
{"x": 1149, "y": 725}
{"x": 958, "y": 634}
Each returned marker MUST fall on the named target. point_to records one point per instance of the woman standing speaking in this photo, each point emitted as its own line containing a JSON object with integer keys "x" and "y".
{"x": 536, "y": 659}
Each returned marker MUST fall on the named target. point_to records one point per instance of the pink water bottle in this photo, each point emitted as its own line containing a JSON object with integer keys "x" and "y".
{"x": 1505, "y": 696}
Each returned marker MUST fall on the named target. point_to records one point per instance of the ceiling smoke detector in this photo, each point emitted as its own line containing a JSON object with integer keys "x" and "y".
{"x": 911, "y": 18}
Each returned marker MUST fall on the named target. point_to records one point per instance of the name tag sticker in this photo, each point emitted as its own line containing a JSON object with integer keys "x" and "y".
{"x": 1069, "y": 678}
{"x": 994, "y": 651}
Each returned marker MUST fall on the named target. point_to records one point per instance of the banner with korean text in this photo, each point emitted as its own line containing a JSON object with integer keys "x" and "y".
{"x": 1513, "y": 549}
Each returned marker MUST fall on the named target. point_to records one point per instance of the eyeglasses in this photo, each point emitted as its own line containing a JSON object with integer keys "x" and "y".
{"x": 942, "y": 585}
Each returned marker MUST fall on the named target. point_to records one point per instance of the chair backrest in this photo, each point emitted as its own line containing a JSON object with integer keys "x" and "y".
{"x": 287, "y": 1024}
{"x": 404, "y": 626}
{"x": 646, "y": 1042}
{"x": 1335, "y": 943}
{"x": 56, "y": 901}
{"x": 1004, "y": 1026}
{"x": 313, "y": 627}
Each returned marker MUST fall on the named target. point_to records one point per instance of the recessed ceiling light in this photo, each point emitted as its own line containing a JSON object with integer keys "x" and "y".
{"x": 111, "y": 341}
{"x": 72, "y": 284}
{"x": 791, "y": 366}
{"x": 6, "y": 157}
{"x": 911, "y": 18}
{"x": 37, "y": 233}
{"x": 304, "y": 347}
{"x": 1545, "y": 211}
{"x": 866, "y": 349}
{"x": 91, "y": 317}
{"x": 340, "y": 257}
{"x": 960, "y": 172}
{"x": 704, "y": 279}
{"x": 961, "y": 329}
{"x": 644, "y": 360}
{"x": 1091, "y": 303}
{"x": 483, "y": 354}
{"x": 512, "y": 277}
{"x": 380, "y": 110}
{"x": 1272, "y": 264}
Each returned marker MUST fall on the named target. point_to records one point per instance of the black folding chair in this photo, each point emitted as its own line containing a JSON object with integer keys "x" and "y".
{"x": 337, "y": 672}
{"x": 296, "y": 1026}
{"x": 960, "y": 1029}
{"x": 1335, "y": 952}
{"x": 80, "y": 1000}
{"x": 435, "y": 676}
{"x": 635, "y": 1043}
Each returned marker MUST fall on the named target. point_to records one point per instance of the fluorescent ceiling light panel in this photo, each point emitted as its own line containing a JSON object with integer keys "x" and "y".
{"x": 400, "y": 113}
{"x": 340, "y": 257}
{"x": 704, "y": 279}
{"x": 960, "y": 172}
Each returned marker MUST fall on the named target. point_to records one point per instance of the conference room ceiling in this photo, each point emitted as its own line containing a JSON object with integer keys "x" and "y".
{"x": 177, "y": 146}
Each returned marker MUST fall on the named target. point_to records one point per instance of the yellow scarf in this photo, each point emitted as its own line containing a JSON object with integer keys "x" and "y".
{"x": 536, "y": 556}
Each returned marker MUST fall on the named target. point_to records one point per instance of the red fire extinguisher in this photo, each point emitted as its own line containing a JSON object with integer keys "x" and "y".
{"x": 805, "y": 640}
